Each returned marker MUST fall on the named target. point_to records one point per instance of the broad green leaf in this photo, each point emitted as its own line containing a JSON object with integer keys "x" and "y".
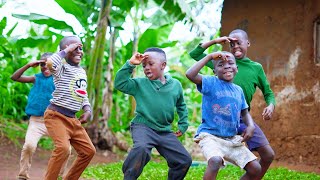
{"x": 155, "y": 38}
{"x": 45, "y": 20}
{"x": 33, "y": 42}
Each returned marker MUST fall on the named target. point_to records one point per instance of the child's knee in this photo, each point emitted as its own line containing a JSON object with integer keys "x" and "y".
{"x": 63, "y": 150}
{"x": 266, "y": 153}
{"x": 253, "y": 168}
{"x": 30, "y": 147}
{"x": 214, "y": 163}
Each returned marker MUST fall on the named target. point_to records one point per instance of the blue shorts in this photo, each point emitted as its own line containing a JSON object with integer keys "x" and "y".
{"x": 258, "y": 139}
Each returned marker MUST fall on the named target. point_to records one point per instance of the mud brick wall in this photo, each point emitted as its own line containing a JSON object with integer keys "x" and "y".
{"x": 282, "y": 40}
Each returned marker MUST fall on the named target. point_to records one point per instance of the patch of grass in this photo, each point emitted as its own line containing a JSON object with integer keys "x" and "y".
{"x": 159, "y": 171}
{"x": 16, "y": 133}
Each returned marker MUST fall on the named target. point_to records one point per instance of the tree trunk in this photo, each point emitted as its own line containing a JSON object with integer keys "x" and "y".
{"x": 96, "y": 61}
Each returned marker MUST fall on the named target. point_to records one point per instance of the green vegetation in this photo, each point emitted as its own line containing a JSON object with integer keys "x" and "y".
{"x": 158, "y": 171}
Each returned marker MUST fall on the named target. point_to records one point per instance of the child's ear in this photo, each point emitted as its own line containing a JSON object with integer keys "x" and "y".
{"x": 248, "y": 43}
{"x": 163, "y": 65}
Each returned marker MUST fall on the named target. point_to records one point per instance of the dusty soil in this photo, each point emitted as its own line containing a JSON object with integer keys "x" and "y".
{"x": 10, "y": 155}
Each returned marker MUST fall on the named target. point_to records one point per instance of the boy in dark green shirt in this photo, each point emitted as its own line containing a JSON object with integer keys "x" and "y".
{"x": 156, "y": 96}
{"x": 250, "y": 75}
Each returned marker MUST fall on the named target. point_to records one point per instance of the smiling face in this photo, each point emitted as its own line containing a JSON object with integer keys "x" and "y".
{"x": 239, "y": 47}
{"x": 74, "y": 57}
{"x": 44, "y": 69}
{"x": 226, "y": 69}
{"x": 154, "y": 65}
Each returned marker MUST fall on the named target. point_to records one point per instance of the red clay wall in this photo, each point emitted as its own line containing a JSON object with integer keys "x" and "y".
{"x": 281, "y": 36}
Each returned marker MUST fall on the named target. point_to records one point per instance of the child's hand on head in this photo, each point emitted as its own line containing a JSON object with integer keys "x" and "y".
{"x": 224, "y": 39}
{"x": 137, "y": 58}
{"x": 218, "y": 56}
{"x": 35, "y": 63}
{"x": 72, "y": 47}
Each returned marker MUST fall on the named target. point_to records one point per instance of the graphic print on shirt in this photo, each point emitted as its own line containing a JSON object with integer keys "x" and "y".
{"x": 79, "y": 86}
{"x": 82, "y": 87}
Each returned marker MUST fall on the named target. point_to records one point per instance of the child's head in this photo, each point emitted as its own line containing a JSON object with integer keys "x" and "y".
{"x": 226, "y": 69}
{"x": 155, "y": 64}
{"x": 239, "y": 47}
{"x": 74, "y": 57}
{"x": 44, "y": 69}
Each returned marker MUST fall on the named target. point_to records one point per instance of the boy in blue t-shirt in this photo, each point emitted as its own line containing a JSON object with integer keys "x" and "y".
{"x": 222, "y": 105}
{"x": 38, "y": 100}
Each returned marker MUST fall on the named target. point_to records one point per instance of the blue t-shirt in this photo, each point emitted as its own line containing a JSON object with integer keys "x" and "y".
{"x": 222, "y": 103}
{"x": 40, "y": 95}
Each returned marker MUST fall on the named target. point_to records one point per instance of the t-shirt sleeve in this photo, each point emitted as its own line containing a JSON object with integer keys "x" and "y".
{"x": 207, "y": 83}
{"x": 244, "y": 104}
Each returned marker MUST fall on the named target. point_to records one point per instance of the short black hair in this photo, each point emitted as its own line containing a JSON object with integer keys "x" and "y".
{"x": 46, "y": 55}
{"x": 244, "y": 33}
{"x": 158, "y": 50}
{"x": 63, "y": 41}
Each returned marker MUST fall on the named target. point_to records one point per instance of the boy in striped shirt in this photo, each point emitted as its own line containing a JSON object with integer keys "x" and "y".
{"x": 69, "y": 97}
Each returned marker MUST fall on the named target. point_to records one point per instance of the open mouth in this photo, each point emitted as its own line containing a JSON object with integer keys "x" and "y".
{"x": 237, "y": 53}
{"x": 148, "y": 74}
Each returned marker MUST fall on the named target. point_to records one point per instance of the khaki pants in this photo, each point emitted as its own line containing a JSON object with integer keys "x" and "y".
{"x": 65, "y": 131}
{"x": 36, "y": 130}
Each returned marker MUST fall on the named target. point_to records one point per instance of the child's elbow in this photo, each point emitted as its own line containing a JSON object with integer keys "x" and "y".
{"x": 189, "y": 75}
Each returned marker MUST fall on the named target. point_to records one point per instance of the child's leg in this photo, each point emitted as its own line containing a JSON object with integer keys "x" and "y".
{"x": 178, "y": 158}
{"x": 35, "y": 131}
{"x": 81, "y": 142}
{"x": 253, "y": 170}
{"x": 260, "y": 143}
{"x": 214, "y": 164}
{"x": 144, "y": 139}
{"x": 59, "y": 128}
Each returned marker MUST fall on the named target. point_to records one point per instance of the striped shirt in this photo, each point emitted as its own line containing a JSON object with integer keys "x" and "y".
{"x": 70, "y": 82}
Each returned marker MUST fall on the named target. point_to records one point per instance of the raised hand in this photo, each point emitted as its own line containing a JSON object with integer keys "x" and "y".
{"x": 72, "y": 47}
{"x": 224, "y": 39}
{"x": 219, "y": 55}
{"x": 137, "y": 58}
{"x": 35, "y": 63}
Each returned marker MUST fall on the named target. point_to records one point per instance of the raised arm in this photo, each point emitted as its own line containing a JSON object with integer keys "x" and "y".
{"x": 122, "y": 81}
{"x": 198, "y": 53}
{"x": 193, "y": 72}
{"x": 17, "y": 76}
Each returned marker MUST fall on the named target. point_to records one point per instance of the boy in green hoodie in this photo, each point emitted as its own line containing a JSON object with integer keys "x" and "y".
{"x": 250, "y": 75}
{"x": 156, "y": 96}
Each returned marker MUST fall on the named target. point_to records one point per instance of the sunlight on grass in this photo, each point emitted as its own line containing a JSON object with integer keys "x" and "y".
{"x": 158, "y": 171}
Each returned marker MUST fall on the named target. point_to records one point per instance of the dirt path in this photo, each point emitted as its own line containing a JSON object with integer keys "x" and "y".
{"x": 10, "y": 156}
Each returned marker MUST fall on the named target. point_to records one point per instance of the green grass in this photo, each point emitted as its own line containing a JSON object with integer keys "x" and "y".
{"x": 158, "y": 171}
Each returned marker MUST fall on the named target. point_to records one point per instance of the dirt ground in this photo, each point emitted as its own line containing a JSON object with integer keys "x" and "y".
{"x": 10, "y": 155}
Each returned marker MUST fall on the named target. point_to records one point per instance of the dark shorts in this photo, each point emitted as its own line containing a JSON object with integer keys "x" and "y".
{"x": 258, "y": 139}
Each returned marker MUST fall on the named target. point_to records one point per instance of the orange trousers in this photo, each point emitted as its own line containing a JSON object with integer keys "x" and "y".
{"x": 65, "y": 131}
